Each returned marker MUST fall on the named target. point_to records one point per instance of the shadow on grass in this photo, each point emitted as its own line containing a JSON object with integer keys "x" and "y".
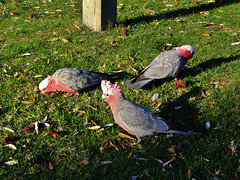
{"x": 177, "y": 13}
{"x": 209, "y": 64}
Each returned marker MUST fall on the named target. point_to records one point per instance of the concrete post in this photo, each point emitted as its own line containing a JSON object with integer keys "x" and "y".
{"x": 97, "y": 14}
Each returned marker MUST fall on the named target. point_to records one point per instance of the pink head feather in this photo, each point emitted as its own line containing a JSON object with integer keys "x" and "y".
{"x": 187, "y": 51}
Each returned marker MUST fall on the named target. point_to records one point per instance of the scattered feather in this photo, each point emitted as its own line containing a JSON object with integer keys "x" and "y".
{"x": 36, "y": 127}
{"x": 104, "y": 163}
{"x": 10, "y": 163}
{"x": 207, "y": 125}
{"x": 38, "y": 76}
{"x": 236, "y": 43}
{"x": 8, "y": 129}
{"x": 26, "y": 54}
{"x": 171, "y": 160}
{"x": 11, "y": 146}
{"x": 141, "y": 159}
{"x": 108, "y": 125}
{"x": 218, "y": 126}
{"x": 155, "y": 95}
{"x": 134, "y": 177}
{"x": 44, "y": 119}
{"x": 178, "y": 107}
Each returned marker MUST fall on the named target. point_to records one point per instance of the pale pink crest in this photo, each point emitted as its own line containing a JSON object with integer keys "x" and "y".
{"x": 109, "y": 88}
{"x": 189, "y": 48}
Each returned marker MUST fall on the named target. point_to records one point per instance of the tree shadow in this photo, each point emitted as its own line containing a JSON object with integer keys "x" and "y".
{"x": 177, "y": 13}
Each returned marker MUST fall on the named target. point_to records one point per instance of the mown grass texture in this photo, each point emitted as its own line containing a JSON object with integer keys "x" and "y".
{"x": 52, "y": 34}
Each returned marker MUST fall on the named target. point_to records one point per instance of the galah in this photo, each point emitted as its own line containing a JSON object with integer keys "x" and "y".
{"x": 165, "y": 65}
{"x": 73, "y": 80}
{"x": 134, "y": 118}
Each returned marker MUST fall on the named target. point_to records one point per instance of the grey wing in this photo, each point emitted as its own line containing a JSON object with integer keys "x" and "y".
{"x": 77, "y": 79}
{"x": 164, "y": 65}
{"x": 140, "y": 120}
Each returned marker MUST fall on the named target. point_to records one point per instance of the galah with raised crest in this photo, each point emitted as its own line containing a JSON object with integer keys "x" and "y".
{"x": 165, "y": 65}
{"x": 134, "y": 118}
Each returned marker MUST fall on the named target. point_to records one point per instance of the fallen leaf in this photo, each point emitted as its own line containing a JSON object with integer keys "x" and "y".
{"x": 14, "y": 13}
{"x": 212, "y": 102}
{"x": 158, "y": 104}
{"x": 32, "y": 15}
{"x": 120, "y": 36}
{"x": 220, "y": 10}
{"x": 74, "y": 10}
{"x": 53, "y": 133}
{"x": 125, "y": 136}
{"x": 94, "y": 127}
{"x": 11, "y": 146}
{"x": 130, "y": 154}
{"x": 50, "y": 166}
{"x": 124, "y": 32}
{"x": 65, "y": 40}
{"x": 62, "y": 55}
{"x": 223, "y": 83}
{"x": 132, "y": 58}
{"x": 189, "y": 173}
{"x": 180, "y": 83}
{"x": 205, "y": 34}
{"x": 10, "y": 139}
{"x": 232, "y": 147}
{"x": 29, "y": 128}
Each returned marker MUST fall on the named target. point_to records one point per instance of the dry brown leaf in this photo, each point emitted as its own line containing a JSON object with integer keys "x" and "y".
{"x": 14, "y": 13}
{"x": 29, "y": 128}
{"x": 65, "y": 40}
{"x": 50, "y": 166}
{"x": 132, "y": 58}
{"x": 32, "y": 15}
{"x": 212, "y": 102}
{"x": 130, "y": 155}
{"x": 223, "y": 83}
{"x": 10, "y": 139}
{"x": 126, "y": 136}
{"x": 120, "y": 36}
{"x": 158, "y": 104}
{"x": 53, "y": 133}
{"x": 205, "y": 34}
{"x": 124, "y": 32}
{"x": 74, "y": 10}
{"x": 180, "y": 83}
{"x": 189, "y": 173}
{"x": 94, "y": 127}
{"x": 233, "y": 148}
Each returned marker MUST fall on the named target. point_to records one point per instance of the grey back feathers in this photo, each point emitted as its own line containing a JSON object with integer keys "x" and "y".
{"x": 77, "y": 79}
{"x": 165, "y": 65}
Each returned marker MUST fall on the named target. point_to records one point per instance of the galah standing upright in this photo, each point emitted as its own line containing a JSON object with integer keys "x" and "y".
{"x": 73, "y": 80}
{"x": 165, "y": 65}
{"x": 134, "y": 118}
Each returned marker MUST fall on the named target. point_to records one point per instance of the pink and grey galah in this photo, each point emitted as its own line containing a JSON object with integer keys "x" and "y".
{"x": 165, "y": 65}
{"x": 73, "y": 80}
{"x": 134, "y": 118}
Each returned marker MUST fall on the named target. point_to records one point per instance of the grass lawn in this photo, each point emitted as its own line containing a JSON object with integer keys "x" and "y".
{"x": 39, "y": 37}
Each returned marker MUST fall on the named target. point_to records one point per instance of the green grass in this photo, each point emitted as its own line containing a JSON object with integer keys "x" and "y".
{"x": 77, "y": 156}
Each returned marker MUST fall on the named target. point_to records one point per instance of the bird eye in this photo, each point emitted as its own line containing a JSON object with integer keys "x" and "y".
{"x": 107, "y": 94}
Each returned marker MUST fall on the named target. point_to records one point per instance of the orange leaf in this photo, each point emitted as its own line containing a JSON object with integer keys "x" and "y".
{"x": 132, "y": 58}
{"x": 10, "y": 139}
{"x": 74, "y": 10}
{"x": 31, "y": 15}
{"x": 180, "y": 83}
{"x": 212, "y": 102}
{"x": 29, "y": 128}
{"x": 14, "y": 13}
{"x": 158, "y": 104}
{"x": 53, "y": 133}
{"x": 205, "y": 34}
{"x": 222, "y": 83}
{"x": 124, "y": 32}
{"x": 189, "y": 173}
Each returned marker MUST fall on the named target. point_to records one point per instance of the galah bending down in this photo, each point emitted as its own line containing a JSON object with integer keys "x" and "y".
{"x": 134, "y": 118}
{"x": 73, "y": 80}
{"x": 165, "y": 65}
